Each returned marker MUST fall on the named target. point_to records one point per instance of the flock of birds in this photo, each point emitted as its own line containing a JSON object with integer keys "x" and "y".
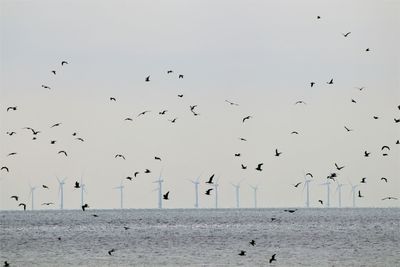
{"x": 166, "y": 196}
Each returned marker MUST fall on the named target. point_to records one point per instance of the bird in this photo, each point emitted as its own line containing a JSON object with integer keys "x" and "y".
{"x": 367, "y": 50}
{"x": 54, "y": 72}
{"x": 294, "y": 132}
{"x": 320, "y": 201}
{"x": 12, "y": 154}
{"x": 47, "y": 203}
{"x": 46, "y": 87}
{"x": 157, "y": 158}
{"x": 33, "y": 131}
{"x": 80, "y": 139}
{"x": 246, "y": 118}
{"x": 296, "y": 185}
{"x": 330, "y": 82}
{"x": 363, "y": 180}
{"x": 359, "y": 194}
{"x": 173, "y": 120}
{"x": 398, "y": 142}
{"x": 128, "y": 119}
{"x": 259, "y": 166}
{"x": 243, "y": 166}
{"x": 95, "y": 215}
{"x": 384, "y": 179}
{"x": 272, "y": 258}
{"x": 147, "y": 79}
{"x": 396, "y": 120}
{"x": 366, "y": 153}
{"x": 147, "y": 171}
{"x": 135, "y": 174}
{"x": 394, "y": 198}
{"x": 237, "y": 154}
{"x": 348, "y": 129}
{"x": 346, "y": 34}
{"x": 169, "y": 71}
{"x": 180, "y": 76}
{"x": 120, "y": 156}
{"x": 111, "y": 251}
{"x": 180, "y": 95}
{"x": 252, "y": 242}
{"x": 242, "y": 139}
{"x": 332, "y": 176}
{"x": 353, "y": 101}
{"x": 63, "y": 152}
{"x": 23, "y": 205}
{"x": 11, "y": 133}
{"x": 162, "y": 112}
{"x": 290, "y": 210}
{"x": 129, "y": 178}
{"x": 242, "y": 253}
{"x": 165, "y": 196}
{"x": 6, "y": 264}
{"x": 77, "y": 185}
{"x": 113, "y": 99}
{"x": 231, "y": 103}
{"x": 55, "y": 125}
{"x": 64, "y": 62}
{"x": 5, "y": 168}
{"x": 15, "y": 197}
{"x": 45, "y": 186}
{"x": 375, "y": 117}
{"x": 208, "y": 192}
{"x": 300, "y": 102}
{"x": 74, "y": 134}
{"x": 312, "y": 84}
{"x": 192, "y": 107}
{"x": 339, "y": 168}
{"x": 210, "y": 180}
{"x": 309, "y": 174}
{"x": 11, "y": 108}
{"x": 385, "y": 147}
{"x": 277, "y": 154}
{"x": 85, "y": 206}
{"x": 126, "y": 228}
{"x": 360, "y": 88}
{"x": 143, "y": 112}
{"x": 53, "y": 142}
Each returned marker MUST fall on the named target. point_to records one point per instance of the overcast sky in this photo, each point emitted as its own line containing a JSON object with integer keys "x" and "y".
{"x": 260, "y": 54}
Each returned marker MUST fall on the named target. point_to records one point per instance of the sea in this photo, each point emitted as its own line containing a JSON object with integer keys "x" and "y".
{"x": 201, "y": 237}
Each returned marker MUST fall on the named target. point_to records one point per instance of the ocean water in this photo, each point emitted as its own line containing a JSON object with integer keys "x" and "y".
{"x": 308, "y": 237}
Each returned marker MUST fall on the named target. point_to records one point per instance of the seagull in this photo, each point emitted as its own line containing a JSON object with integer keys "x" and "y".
{"x": 6, "y": 264}
{"x": 312, "y": 84}
{"x": 360, "y": 88}
{"x": 208, "y": 191}
{"x": 237, "y": 154}
{"x": 367, "y": 50}
{"x": 210, "y": 180}
{"x": 290, "y": 210}
{"x": 338, "y": 168}
{"x": 77, "y": 185}
{"x": 259, "y": 166}
{"x": 11, "y": 108}
{"x": 246, "y": 118}
{"x": 47, "y": 203}
{"x": 346, "y": 34}
{"x": 119, "y": 156}
{"x": 243, "y": 166}
{"x": 46, "y": 87}
{"x": 80, "y": 139}
{"x": 173, "y": 120}
{"x": 53, "y": 142}
{"x": 242, "y": 253}
{"x": 33, "y": 131}
{"x": 394, "y": 198}
{"x": 193, "y": 107}
{"x": 359, "y": 194}
{"x": 385, "y": 147}
{"x": 330, "y": 82}
{"x": 296, "y": 185}
{"x": 129, "y": 178}
{"x": 157, "y": 158}
{"x": 85, "y": 206}
{"x": 294, "y": 132}
{"x": 353, "y": 101}
{"x": 300, "y": 102}
{"x": 272, "y": 258}
{"x": 277, "y": 153}
{"x": 126, "y": 228}
{"x": 318, "y": 17}
{"x": 112, "y": 250}
{"x": 375, "y": 117}
{"x": 143, "y": 112}
{"x": 181, "y": 95}
{"x": 147, "y": 171}
{"x": 165, "y": 196}
{"x": 162, "y": 112}
{"x": 363, "y": 180}
{"x": 23, "y": 205}
{"x": 384, "y": 179}
{"x": 54, "y": 72}
{"x": 55, "y": 125}
{"x": 170, "y": 71}
{"x": 396, "y": 120}
{"x": 113, "y": 99}
{"x": 320, "y": 201}
{"x": 128, "y": 119}
{"x": 11, "y": 133}
{"x": 12, "y": 154}
{"x": 180, "y": 76}
{"x": 348, "y": 129}
{"x": 366, "y": 153}
{"x": 310, "y": 174}
{"x": 147, "y": 79}
{"x": 15, "y": 197}
{"x": 135, "y": 174}
{"x": 332, "y": 176}
{"x": 242, "y": 139}
{"x": 231, "y": 103}
{"x": 45, "y": 186}
{"x": 63, "y": 63}
{"x": 62, "y": 151}
{"x": 5, "y": 168}
{"x": 252, "y": 242}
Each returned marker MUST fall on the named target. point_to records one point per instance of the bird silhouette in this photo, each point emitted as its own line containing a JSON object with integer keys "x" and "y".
{"x": 359, "y": 194}
{"x": 360, "y": 88}
{"x": 54, "y": 72}
{"x": 64, "y": 63}
{"x": 80, "y": 139}
{"x": 128, "y": 119}
{"x": 55, "y": 125}
{"x": 15, "y": 197}
{"x": 113, "y": 99}
{"x": 6, "y": 264}
{"x": 126, "y": 228}
{"x": 363, "y": 180}
{"x": 242, "y": 253}
{"x": 45, "y": 186}
{"x": 210, "y": 180}
{"x": 385, "y": 147}
{"x": 237, "y": 154}
{"x": 366, "y": 153}
{"x": 169, "y": 71}
{"x": 47, "y": 203}
{"x": 320, "y": 201}
{"x": 309, "y": 174}
{"x": 300, "y": 102}
{"x": 232, "y": 103}
{"x": 348, "y": 129}
{"x": 23, "y": 205}
{"x": 330, "y": 82}
{"x": 147, "y": 171}
{"x": 46, "y": 87}
{"x": 77, "y": 185}
{"x": 135, "y": 174}
{"x": 181, "y": 95}
{"x": 384, "y": 179}
{"x": 252, "y": 242}
{"x": 112, "y": 250}
{"x": 294, "y": 132}
{"x": 272, "y": 258}
{"x": 143, "y": 112}
{"x": 173, "y": 120}
{"x": 367, "y": 50}
{"x": 162, "y": 112}
{"x": 338, "y": 168}
{"x": 120, "y": 156}
{"x": 165, "y": 196}
{"x": 259, "y": 166}
{"x": 53, "y": 142}
{"x": 147, "y": 79}
{"x": 85, "y": 206}
{"x": 385, "y": 198}
{"x": 12, "y": 154}
{"x": 277, "y": 154}
{"x": 398, "y": 142}
{"x": 332, "y": 176}
{"x": 246, "y": 118}
{"x": 375, "y": 117}
{"x": 290, "y": 210}
{"x": 296, "y": 185}
{"x": 180, "y": 76}
{"x": 312, "y": 84}
{"x": 396, "y": 120}
{"x": 62, "y": 152}
{"x": 318, "y": 17}
{"x": 346, "y": 34}
{"x": 5, "y": 168}
{"x": 208, "y": 192}
{"x": 353, "y": 101}
{"x": 192, "y": 107}
{"x": 33, "y": 131}
{"x": 242, "y": 139}
{"x": 243, "y": 166}
{"x": 157, "y": 158}
{"x": 11, "y": 133}
{"x": 129, "y": 178}
{"x": 11, "y": 108}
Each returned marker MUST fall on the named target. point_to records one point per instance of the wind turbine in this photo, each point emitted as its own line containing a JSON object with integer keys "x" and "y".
{"x": 307, "y": 186}
{"x": 83, "y": 189}
{"x": 255, "y": 188}
{"x": 237, "y": 189}
{"x": 31, "y": 193}
{"x": 353, "y": 192}
{"x": 328, "y": 191}
{"x": 121, "y": 190}
{"x": 160, "y": 195}
{"x": 339, "y": 190}
{"x": 196, "y": 190}
{"x": 216, "y": 192}
{"x": 61, "y": 192}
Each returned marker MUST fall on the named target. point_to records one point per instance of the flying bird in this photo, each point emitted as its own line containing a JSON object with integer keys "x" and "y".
{"x": 346, "y": 34}
{"x": 54, "y": 72}
{"x": 173, "y": 120}
{"x": 147, "y": 79}
{"x": 384, "y": 179}
{"x": 385, "y": 147}
{"x": 348, "y": 129}
{"x": 312, "y": 84}
{"x": 375, "y": 117}
{"x": 63, "y": 63}
{"x": 309, "y": 174}
{"x": 277, "y": 154}
{"x": 366, "y": 153}
{"x": 210, "y": 180}
{"x": 11, "y": 133}
{"x": 135, "y": 174}
{"x": 180, "y": 76}
{"x": 259, "y": 166}
{"x": 23, "y": 205}
{"x": 157, "y": 158}
{"x": 396, "y": 120}
{"x": 300, "y": 102}
{"x": 63, "y": 152}
{"x": 237, "y": 154}
{"x": 165, "y": 196}
{"x": 126, "y": 228}
{"x": 181, "y": 95}
{"x": 55, "y": 125}
{"x": 330, "y": 82}
{"x": 231, "y": 103}
{"x": 320, "y": 201}
{"x": 47, "y": 203}
{"x": 360, "y": 88}
{"x": 242, "y": 253}
{"x": 128, "y": 119}
{"x": 80, "y": 139}
{"x": 143, "y": 112}
{"x": 112, "y": 250}
{"x": 318, "y": 17}
{"x": 359, "y": 194}
{"x": 147, "y": 171}
{"x": 242, "y": 139}
{"x": 394, "y": 198}
{"x": 11, "y": 108}
{"x": 246, "y": 118}
{"x": 294, "y": 132}
{"x": 53, "y": 142}
{"x": 272, "y": 258}
{"x": 85, "y": 206}
{"x": 192, "y": 107}
{"x": 367, "y": 50}
{"x": 5, "y": 168}
{"x": 169, "y": 71}
{"x": 353, "y": 101}
{"x": 15, "y": 197}
{"x": 296, "y": 185}
{"x": 290, "y": 210}
{"x": 33, "y": 131}
{"x": 129, "y": 178}
{"x": 338, "y": 168}
{"x": 120, "y": 156}
{"x": 243, "y": 166}
{"x": 46, "y": 87}
{"x": 45, "y": 186}
{"x": 77, "y": 185}
{"x": 162, "y": 112}
{"x": 12, "y": 154}
{"x": 363, "y": 180}
{"x": 6, "y": 264}
{"x": 113, "y": 99}
{"x": 252, "y": 242}
{"x": 208, "y": 192}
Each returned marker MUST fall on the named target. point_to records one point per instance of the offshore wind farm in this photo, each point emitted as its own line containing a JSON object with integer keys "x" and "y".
{"x": 181, "y": 133}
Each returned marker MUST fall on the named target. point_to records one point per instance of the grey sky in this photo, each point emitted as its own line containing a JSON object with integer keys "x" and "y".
{"x": 261, "y": 54}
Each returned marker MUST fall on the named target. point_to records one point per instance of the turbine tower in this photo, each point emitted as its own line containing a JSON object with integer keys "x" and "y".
{"x": 307, "y": 186}
{"x": 61, "y": 191}
{"x": 353, "y": 192}
{"x": 216, "y": 193}
{"x": 339, "y": 190}
{"x": 121, "y": 191}
{"x": 196, "y": 190}
{"x": 31, "y": 193}
{"x": 160, "y": 195}
{"x": 237, "y": 189}
{"x": 328, "y": 191}
{"x": 255, "y": 188}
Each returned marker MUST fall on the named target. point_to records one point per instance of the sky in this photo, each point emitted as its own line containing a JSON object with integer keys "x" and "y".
{"x": 259, "y": 54}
